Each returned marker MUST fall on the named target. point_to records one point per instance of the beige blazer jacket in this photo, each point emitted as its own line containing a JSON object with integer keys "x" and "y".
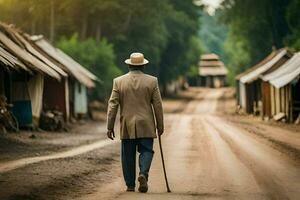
{"x": 141, "y": 111}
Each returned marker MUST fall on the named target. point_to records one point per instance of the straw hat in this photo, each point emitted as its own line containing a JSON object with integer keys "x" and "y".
{"x": 136, "y": 59}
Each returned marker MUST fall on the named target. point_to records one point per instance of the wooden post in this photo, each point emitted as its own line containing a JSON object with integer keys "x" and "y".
{"x": 272, "y": 101}
{"x": 286, "y": 102}
{"x": 277, "y": 97}
{"x": 291, "y": 103}
{"x": 1, "y": 82}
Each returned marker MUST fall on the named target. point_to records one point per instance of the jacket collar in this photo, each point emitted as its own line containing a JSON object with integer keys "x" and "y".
{"x": 136, "y": 72}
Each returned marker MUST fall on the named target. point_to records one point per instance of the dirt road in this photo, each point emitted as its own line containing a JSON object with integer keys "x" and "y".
{"x": 208, "y": 156}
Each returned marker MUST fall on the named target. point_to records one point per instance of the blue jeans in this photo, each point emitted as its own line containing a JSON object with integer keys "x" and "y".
{"x": 129, "y": 148}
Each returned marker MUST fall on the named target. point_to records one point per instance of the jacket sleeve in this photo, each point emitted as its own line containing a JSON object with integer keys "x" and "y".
{"x": 113, "y": 105}
{"x": 157, "y": 107}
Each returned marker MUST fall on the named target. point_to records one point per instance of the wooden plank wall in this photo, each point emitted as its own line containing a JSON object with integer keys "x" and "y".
{"x": 249, "y": 98}
{"x": 243, "y": 97}
{"x": 280, "y": 100}
{"x": 266, "y": 100}
{"x": 277, "y": 101}
{"x": 273, "y": 100}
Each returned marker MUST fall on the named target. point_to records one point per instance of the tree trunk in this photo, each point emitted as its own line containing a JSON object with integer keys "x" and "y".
{"x": 98, "y": 33}
{"x": 52, "y": 22}
{"x": 127, "y": 22}
{"x": 84, "y": 28}
{"x": 33, "y": 27}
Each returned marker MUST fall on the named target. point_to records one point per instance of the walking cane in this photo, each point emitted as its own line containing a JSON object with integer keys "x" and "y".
{"x": 163, "y": 163}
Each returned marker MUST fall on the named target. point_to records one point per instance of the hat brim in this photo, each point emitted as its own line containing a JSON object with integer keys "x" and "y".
{"x": 128, "y": 62}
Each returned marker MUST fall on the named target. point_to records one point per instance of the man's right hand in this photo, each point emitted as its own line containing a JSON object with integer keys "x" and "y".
{"x": 111, "y": 134}
{"x": 160, "y": 132}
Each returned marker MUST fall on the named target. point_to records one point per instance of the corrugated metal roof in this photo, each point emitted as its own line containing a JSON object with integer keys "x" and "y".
{"x": 286, "y": 73}
{"x": 291, "y": 65}
{"x": 253, "y": 75}
{"x": 75, "y": 69}
{"x": 264, "y": 61}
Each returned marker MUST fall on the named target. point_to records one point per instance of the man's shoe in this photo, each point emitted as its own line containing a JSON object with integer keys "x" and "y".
{"x": 143, "y": 184}
{"x": 130, "y": 189}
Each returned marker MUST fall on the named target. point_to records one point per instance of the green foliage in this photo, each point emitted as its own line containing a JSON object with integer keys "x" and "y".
{"x": 256, "y": 26}
{"x": 195, "y": 49}
{"x": 293, "y": 18}
{"x": 99, "y": 57}
{"x": 237, "y": 55}
{"x": 164, "y": 30}
{"x": 261, "y": 22}
{"x": 213, "y": 33}
{"x": 144, "y": 31}
{"x": 182, "y": 24}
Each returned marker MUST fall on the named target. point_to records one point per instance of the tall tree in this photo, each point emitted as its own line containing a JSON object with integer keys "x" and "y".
{"x": 293, "y": 18}
{"x": 164, "y": 30}
{"x": 213, "y": 33}
{"x": 256, "y": 27}
{"x": 182, "y": 21}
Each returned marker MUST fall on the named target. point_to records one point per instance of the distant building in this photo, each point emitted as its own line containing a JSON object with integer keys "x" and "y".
{"x": 271, "y": 87}
{"x": 280, "y": 95}
{"x": 249, "y": 84}
{"x": 212, "y": 71}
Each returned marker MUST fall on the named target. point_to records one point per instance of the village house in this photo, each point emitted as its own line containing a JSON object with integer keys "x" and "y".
{"x": 20, "y": 87}
{"x": 74, "y": 89}
{"x": 32, "y": 79}
{"x": 271, "y": 88}
{"x": 212, "y": 71}
{"x": 240, "y": 89}
{"x": 249, "y": 84}
{"x": 280, "y": 89}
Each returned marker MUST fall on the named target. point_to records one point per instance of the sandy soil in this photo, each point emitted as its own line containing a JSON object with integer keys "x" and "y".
{"x": 210, "y": 154}
{"x": 20, "y": 145}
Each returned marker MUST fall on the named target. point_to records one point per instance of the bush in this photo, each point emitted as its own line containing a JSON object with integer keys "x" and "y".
{"x": 98, "y": 57}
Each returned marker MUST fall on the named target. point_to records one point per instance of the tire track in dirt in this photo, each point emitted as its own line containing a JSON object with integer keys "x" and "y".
{"x": 288, "y": 145}
{"x": 235, "y": 177}
{"x": 115, "y": 189}
{"x": 192, "y": 168}
{"x": 202, "y": 163}
{"x": 204, "y": 103}
{"x": 208, "y": 159}
{"x": 276, "y": 177}
{"x": 193, "y": 162}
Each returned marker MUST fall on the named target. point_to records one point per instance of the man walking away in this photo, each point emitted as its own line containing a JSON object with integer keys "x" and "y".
{"x": 138, "y": 96}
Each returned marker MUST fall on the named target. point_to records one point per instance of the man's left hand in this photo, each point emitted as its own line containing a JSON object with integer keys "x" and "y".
{"x": 160, "y": 132}
{"x": 111, "y": 134}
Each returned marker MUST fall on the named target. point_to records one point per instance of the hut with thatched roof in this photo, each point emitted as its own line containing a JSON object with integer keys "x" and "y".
{"x": 212, "y": 71}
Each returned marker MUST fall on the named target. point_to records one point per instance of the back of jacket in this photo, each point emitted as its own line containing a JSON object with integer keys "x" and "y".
{"x": 140, "y": 103}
